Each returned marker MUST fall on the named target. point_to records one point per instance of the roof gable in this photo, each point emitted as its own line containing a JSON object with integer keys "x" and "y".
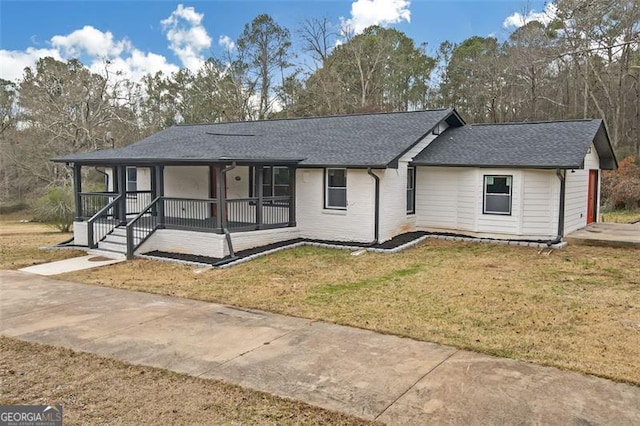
{"x": 554, "y": 144}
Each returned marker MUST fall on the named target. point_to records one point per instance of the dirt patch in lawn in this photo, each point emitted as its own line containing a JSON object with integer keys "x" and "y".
{"x": 20, "y": 242}
{"x": 577, "y": 308}
{"x": 97, "y": 390}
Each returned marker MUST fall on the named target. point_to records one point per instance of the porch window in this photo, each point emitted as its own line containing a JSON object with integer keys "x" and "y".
{"x": 275, "y": 181}
{"x": 336, "y": 189}
{"x": 411, "y": 190}
{"x": 132, "y": 179}
{"x": 497, "y": 195}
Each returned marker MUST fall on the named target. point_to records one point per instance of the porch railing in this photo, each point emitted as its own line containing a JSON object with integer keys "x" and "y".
{"x": 204, "y": 215}
{"x": 92, "y": 202}
{"x": 246, "y": 214}
{"x": 143, "y": 225}
{"x": 102, "y": 222}
{"x": 136, "y": 201}
{"x": 190, "y": 214}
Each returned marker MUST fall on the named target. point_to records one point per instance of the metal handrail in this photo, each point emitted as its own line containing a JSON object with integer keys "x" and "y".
{"x": 95, "y": 217}
{"x": 98, "y": 193}
{"x": 144, "y": 233}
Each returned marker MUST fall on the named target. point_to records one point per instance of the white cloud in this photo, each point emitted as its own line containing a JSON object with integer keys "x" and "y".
{"x": 187, "y": 37}
{"x": 227, "y": 43}
{"x": 92, "y": 47}
{"x": 517, "y": 20}
{"x": 135, "y": 66}
{"x": 13, "y": 62}
{"x": 365, "y": 13}
{"x": 90, "y": 41}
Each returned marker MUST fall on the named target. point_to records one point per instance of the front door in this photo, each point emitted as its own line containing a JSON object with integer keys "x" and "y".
{"x": 592, "y": 198}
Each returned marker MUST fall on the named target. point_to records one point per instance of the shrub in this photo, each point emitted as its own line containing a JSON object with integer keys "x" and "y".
{"x": 621, "y": 188}
{"x": 8, "y": 207}
{"x": 56, "y": 207}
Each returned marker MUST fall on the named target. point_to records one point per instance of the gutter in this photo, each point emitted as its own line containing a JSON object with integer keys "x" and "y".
{"x": 376, "y": 224}
{"x": 562, "y": 178}
{"x": 225, "y": 229}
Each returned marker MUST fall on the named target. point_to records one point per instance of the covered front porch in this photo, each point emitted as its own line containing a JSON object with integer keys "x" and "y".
{"x": 217, "y": 198}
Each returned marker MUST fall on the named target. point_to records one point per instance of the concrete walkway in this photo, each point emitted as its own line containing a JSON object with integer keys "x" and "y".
{"x": 71, "y": 265}
{"x": 375, "y": 376}
{"x": 607, "y": 235}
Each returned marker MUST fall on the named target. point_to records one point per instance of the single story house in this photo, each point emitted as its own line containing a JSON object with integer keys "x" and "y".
{"x": 209, "y": 189}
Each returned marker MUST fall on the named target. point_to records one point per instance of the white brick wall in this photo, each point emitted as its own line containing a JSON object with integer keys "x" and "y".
{"x": 238, "y": 188}
{"x": 186, "y": 181}
{"x": 394, "y": 219}
{"x": 210, "y": 244}
{"x": 353, "y": 224}
{"x": 80, "y": 235}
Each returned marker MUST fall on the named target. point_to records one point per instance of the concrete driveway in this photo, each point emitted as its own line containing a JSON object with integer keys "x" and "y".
{"x": 375, "y": 376}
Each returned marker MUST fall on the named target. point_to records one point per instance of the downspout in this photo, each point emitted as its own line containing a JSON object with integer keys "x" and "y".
{"x": 562, "y": 178}
{"x": 225, "y": 228}
{"x": 376, "y": 224}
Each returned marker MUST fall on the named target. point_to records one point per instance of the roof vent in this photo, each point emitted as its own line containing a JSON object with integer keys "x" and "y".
{"x": 228, "y": 134}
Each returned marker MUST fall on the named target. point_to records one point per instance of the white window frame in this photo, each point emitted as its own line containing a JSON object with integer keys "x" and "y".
{"x": 129, "y": 182}
{"x": 327, "y": 188}
{"x": 411, "y": 190}
{"x": 485, "y": 180}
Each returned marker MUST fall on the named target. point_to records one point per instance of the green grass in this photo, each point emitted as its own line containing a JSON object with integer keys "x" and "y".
{"x": 620, "y": 216}
{"x": 576, "y": 308}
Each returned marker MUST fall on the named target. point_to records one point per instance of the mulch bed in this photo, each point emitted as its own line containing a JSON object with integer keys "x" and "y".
{"x": 216, "y": 261}
{"x": 393, "y": 243}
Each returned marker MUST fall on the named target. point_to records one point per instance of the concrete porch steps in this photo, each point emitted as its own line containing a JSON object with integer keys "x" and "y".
{"x": 115, "y": 242}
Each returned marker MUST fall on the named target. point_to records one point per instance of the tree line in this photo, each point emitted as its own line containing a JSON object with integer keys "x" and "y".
{"x": 584, "y": 63}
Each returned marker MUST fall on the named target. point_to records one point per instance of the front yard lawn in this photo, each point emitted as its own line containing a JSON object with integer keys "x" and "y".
{"x": 20, "y": 242}
{"x": 577, "y": 308}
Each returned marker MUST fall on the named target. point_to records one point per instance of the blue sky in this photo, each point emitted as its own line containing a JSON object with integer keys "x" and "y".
{"x": 147, "y": 36}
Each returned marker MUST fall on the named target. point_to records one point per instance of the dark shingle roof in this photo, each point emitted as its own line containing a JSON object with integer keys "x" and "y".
{"x": 558, "y": 144}
{"x": 353, "y": 140}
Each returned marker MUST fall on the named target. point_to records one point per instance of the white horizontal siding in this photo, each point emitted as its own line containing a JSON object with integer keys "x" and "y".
{"x": 576, "y": 193}
{"x": 540, "y": 202}
{"x": 436, "y": 197}
{"x": 451, "y": 199}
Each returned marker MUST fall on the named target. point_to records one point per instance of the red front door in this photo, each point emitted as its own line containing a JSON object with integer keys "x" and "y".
{"x": 592, "y": 198}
